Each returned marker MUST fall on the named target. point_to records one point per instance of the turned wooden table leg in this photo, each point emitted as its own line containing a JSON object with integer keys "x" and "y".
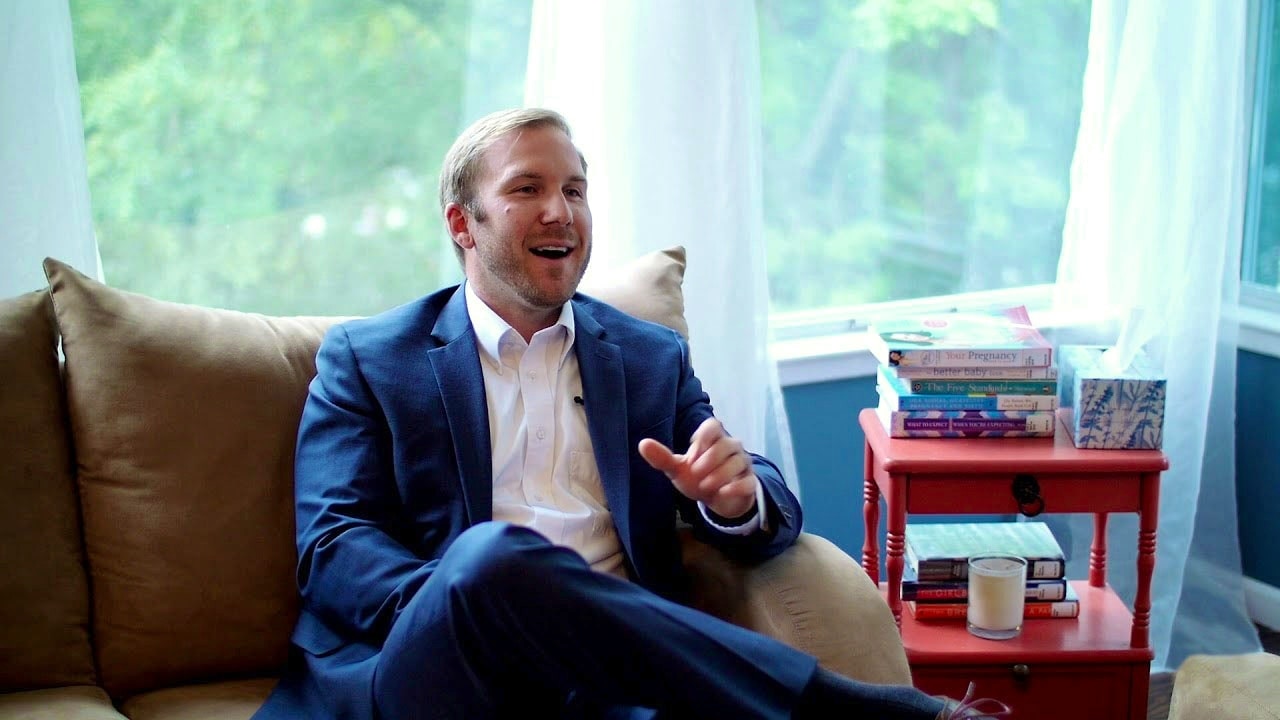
{"x": 895, "y": 543}
{"x": 870, "y": 518}
{"x": 1147, "y": 520}
{"x": 871, "y": 523}
{"x": 1098, "y": 551}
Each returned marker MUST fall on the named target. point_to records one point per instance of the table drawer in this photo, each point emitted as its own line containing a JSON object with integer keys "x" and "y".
{"x": 1066, "y": 691}
{"x": 976, "y": 493}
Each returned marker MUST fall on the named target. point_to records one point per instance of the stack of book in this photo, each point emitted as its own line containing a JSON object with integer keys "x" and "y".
{"x": 965, "y": 374}
{"x": 935, "y": 582}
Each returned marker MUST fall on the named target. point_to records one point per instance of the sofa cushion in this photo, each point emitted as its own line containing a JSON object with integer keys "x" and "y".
{"x": 1227, "y": 687}
{"x": 184, "y": 421}
{"x": 44, "y": 594}
{"x": 813, "y": 597}
{"x": 79, "y": 702}
{"x": 648, "y": 287}
{"x": 230, "y": 700}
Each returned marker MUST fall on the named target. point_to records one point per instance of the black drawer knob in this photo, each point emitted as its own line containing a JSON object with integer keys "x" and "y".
{"x": 1022, "y": 676}
{"x": 1026, "y": 492}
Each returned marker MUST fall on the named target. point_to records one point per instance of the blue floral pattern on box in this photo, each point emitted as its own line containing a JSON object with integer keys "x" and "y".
{"x": 1125, "y": 412}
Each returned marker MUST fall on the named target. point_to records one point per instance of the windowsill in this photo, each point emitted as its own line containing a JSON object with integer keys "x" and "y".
{"x": 1260, "y": 331}
{"x": 823, "y": 359}
{"x": 844, "y": 356}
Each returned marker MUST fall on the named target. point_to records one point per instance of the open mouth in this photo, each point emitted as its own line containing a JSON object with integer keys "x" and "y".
{"x": 550, "y": 253}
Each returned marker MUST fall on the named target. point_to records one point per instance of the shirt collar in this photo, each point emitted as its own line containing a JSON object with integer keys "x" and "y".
{"x": 492, "y": 331}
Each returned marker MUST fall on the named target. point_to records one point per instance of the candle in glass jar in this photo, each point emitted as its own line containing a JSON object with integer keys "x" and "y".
{"x": 997, "y": 592}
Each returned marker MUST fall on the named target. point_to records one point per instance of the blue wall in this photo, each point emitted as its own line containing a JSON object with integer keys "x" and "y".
{"x": 828, "y": 447}
{"x": 1258, "y": 465}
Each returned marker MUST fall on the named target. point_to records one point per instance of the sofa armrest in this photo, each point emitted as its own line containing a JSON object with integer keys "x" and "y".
{"x": 70, "y": 702}
{"x": 813, "y": 597}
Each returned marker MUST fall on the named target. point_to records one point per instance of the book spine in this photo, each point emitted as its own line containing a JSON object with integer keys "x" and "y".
{"x": 974, "y": 357}
{"x": 1046, "y": 569}
{"x": 1025, "y": 403}
{"x": 1031, "y": 610}
{"x": 955, "y": 423}
{"x": 971, "y": 434}
{"x": 976, "y": 373}
{"x": 983, "y": 387}
{"x": 965, "y": 395}
{"x": 1037, "y": 591}
{"x": 940, "y": 569}
{"x": 1061, "y": 609}
{"x": 939, "y": 611}
{"x": 927, "y": 592}
{"x": 958, "y": 568}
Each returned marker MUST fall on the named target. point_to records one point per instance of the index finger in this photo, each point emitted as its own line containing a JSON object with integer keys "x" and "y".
{"x": 710, "y": 431}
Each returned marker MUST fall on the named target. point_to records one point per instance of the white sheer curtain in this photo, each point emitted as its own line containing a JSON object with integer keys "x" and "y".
{"x": 44, "y": 191}
{"x": 1153, "y": 238}
{"x": 663, "y": 98}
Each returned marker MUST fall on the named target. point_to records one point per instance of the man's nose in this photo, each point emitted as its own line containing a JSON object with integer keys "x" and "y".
{"x": 557, "y": 210}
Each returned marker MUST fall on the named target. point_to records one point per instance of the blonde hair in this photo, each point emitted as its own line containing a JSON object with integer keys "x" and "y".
{"x": 461, "y": 167}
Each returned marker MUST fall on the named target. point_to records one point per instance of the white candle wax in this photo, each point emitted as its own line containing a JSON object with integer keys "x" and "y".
{"x": 997, "y": 591}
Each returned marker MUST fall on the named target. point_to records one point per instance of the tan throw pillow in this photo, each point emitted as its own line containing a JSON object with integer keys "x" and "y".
{"x": 44, "y": 593}
{"x": 184, "y": 421}
{"x": 649, "y": 287}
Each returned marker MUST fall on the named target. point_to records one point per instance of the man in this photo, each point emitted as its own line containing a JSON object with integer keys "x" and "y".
{"x": 487, "y": 484}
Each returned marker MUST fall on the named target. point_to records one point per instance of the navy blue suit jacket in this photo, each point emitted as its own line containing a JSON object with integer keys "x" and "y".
{"x": 394, "y": 463}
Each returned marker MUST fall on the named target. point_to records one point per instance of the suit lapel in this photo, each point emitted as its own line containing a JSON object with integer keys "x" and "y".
{"x": 604, "y": 394}
{"x": 456, "y": 364}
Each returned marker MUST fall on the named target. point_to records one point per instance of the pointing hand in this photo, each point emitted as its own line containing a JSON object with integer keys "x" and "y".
{"x": 715, "y": 470}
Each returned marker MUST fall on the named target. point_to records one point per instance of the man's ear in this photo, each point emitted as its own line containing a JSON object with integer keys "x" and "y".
{"x": 458, "y": 221}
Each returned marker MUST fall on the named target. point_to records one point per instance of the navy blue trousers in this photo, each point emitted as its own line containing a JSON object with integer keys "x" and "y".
{"x": 510, "y": 624}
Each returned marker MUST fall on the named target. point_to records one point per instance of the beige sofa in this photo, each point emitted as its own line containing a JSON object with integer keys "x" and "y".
{"x": 146, "y": 544}
{"x": 1227, "y": 687}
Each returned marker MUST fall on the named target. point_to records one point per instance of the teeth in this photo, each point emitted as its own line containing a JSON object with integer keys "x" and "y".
{"x": 550, "y": 252}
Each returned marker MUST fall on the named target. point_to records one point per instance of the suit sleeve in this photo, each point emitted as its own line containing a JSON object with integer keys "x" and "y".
{"x": 782, "y": 509}
{"x": 352, "y": 572}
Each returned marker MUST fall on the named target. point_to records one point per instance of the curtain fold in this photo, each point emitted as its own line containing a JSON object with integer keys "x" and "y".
{"x": 664, "y": 100}
{"x": 44, "y": 188}
{"x": 1152, "y": 239}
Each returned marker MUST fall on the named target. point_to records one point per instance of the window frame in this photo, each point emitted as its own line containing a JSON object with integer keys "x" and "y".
{"x": 830, "y": 344}
{"x": 1258, "y": 67}
{"x": 1259, "y": 308}
{"x": 836, "y": 349}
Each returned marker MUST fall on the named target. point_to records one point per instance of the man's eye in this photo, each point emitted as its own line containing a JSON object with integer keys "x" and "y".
{"x": 526, "y": 189}
{"x": 573, "y": 192}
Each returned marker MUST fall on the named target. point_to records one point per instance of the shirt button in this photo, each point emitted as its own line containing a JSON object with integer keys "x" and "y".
{"x": 532, "y": 375}
{"x": 542, "y": 434}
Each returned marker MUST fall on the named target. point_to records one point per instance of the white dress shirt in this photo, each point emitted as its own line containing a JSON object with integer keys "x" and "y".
{"x": 544, "y": 469}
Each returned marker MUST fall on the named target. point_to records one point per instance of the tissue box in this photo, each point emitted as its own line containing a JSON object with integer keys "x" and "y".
{"x": 1122, "y": 412}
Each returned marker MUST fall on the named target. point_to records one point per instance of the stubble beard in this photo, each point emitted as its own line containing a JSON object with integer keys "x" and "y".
{"x": 507, "y": 268}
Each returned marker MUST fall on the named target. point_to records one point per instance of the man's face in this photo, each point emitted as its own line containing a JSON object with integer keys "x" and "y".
{"x": 529, "y": 242}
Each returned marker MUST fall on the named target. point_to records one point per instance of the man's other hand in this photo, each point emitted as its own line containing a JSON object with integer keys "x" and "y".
{"x": 715, "y": 470}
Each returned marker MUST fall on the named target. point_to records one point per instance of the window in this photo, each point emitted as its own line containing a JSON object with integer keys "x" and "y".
{"x": 916, "y": 149}
{"x": 1260, "y": 259}
{"x": 281, "y": 157}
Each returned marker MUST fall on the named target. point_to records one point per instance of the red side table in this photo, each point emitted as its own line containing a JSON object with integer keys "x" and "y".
{"x": 1094, "y": 666}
